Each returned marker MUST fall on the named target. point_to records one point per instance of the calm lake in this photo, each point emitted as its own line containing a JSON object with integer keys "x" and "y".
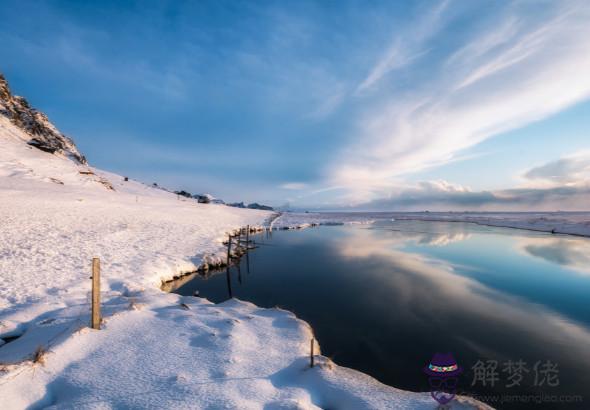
{"x": 383, "y": 298}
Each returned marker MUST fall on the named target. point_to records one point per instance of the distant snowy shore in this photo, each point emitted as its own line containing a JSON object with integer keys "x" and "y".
{"x": 155, "y": 349}
{"x": 570, "y": 223}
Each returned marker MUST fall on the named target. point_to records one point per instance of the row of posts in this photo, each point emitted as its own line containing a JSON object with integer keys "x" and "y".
{"x": 95, "y": 309}
{"x": 95, "y": 316}
{"x": 239, "y": 242}
{"x": 95, "y": 303}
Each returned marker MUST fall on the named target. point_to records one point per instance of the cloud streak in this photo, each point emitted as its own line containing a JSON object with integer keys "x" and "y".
{"x": 403, "y": 52}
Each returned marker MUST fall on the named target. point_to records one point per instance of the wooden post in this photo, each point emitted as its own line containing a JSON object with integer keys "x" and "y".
{"x": 95, "y": 293}
{"x": 228, "y": 276}
{"x": 228, "y": 249}
{"x": 248, "y": 262}
{"x": 227, "y": 272}
{"x": 311, "y": 354}
{"x": 248, "y": 237}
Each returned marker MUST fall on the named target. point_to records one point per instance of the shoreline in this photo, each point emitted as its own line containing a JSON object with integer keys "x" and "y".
{"x": 574, "y": 223}
{"x": 482, "y": 223}
{"x": 210, "y": 264}
{"x": 142, "y": 302}
{"x": 320, "y": 360}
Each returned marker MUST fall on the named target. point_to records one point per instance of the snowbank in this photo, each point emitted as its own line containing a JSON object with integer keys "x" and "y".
{"x": 298, "y": 220}
{"x": 165, "y": 351}
{"x": 156, "y": 350}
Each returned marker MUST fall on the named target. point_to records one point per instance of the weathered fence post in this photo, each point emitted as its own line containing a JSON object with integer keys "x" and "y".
{"x": 311, "y": 354}
{"x": 248, "y": 262}
{"x": 227, "y": 273}
{"x": 228, "y": 276}
{"x": 248, "y": 237}
{"x": 228, "y": 249}
{"x": 95, "y": 293}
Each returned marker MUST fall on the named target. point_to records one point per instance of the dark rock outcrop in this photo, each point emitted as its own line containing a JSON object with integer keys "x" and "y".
{"x": 184, "y": 193}
{"x": 44, "y": 135}
{"x": 203, "y": 198}
{"x": 251, "y": 206}
{"x": 260, "y": 206}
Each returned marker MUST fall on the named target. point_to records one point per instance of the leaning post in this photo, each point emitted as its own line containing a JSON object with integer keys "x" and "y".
{"x": 95, "y": 293}
{"x": 228, "y": 249}
{"x": 311, "y": 361}
{"x": 248, "y": 237}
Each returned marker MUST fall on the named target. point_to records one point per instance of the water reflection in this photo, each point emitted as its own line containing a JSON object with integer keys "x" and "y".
{"x": 383, "y": 300}
{"x": 434, "y": 235}
{"x": 573, "y": 253}
{"x": 440, "y": 293}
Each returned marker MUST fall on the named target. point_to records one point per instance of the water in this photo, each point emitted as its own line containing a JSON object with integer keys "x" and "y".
{"x": 384, "y": 298}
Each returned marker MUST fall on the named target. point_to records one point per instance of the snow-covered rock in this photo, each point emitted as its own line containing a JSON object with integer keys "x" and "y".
{"x": 39, "y": 132}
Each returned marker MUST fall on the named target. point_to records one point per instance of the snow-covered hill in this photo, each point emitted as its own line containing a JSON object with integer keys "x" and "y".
{"x": 58, "y": 212}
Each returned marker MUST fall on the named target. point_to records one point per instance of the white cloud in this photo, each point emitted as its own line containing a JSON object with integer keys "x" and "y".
{"x": 569, "y": 170}
{"x": 568, "y": 190}
{"x": 295, "y": 186}
{"x": 523, "y": 72}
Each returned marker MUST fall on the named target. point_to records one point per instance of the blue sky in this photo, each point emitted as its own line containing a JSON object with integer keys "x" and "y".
{"x": 331, "y": 104}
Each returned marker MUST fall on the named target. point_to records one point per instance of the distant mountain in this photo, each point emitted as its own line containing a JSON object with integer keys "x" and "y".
{"x": 43, "y": 134}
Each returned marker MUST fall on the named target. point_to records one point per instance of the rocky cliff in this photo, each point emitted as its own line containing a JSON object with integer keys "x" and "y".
{"x": 44, "y": 135}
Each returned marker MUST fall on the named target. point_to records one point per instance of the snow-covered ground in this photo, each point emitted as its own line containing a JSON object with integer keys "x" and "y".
{"x": 156, "y": 350}
{"x": 571, "y": 223}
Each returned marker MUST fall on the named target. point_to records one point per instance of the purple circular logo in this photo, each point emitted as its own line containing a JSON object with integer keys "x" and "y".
{"x": 443, "y": 372}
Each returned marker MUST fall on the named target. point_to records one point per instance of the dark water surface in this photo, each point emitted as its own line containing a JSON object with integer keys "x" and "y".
{"x": 384, "y": 298}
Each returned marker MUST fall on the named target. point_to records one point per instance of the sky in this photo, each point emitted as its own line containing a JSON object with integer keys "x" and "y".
{"x": 354, "y": 105}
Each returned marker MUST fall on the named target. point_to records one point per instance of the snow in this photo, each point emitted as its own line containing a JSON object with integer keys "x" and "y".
{"x": 50, "y": 232}
{"x": 298, "y": 220}
{"x": 155, "y": 350}
{"x": 158, "y": 353}
{"x": 571, "y": 223}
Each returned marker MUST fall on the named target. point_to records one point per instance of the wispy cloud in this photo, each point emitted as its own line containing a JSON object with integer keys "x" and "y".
{"x": 406, "y": 48}
{"x": 529, "y": 69}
